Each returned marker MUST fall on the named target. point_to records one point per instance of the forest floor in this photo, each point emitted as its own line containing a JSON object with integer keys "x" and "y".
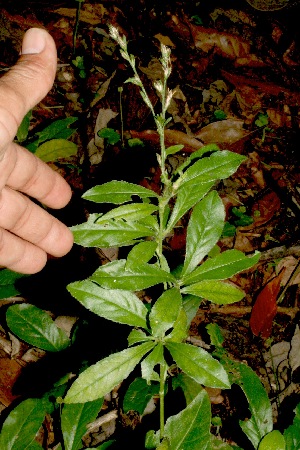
{"x": 236, "y": 75}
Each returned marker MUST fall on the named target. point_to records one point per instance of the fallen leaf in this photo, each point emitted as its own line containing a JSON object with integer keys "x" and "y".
{"x": 9, "y": 372}
{"x": 264, "y": 209}
{"x": 172, "y": 137}
{"x": 225, "y": 131}
{"x": 289, "y": 264}
{"x": 265, "y": 308}
{"x": 92, "y": 14}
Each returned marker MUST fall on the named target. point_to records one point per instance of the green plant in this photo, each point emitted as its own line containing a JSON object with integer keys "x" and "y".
{"x": 142, "y": 220}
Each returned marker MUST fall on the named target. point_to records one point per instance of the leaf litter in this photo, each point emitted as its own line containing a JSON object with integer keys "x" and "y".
{"x": 236, "y": 76}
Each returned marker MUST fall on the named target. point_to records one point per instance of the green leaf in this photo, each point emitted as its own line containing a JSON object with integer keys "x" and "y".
{"x": 216, "y": 337}
{"x": 57, "y": 130}
{"x": 174, "y": 149}
{"x": 7, "y": 283}
{"x": 165, "y": 312}
{"x": 112, "y": 136}
{"x": 23, "y": 423}
{"x": 292, "y": 433}
{"x": 261, "y": 421}
{"x": 219, "y": 165}
{"x": 138, "y": 395}
{"x": 215, "y": 291}
{"x": 152, "y": 440}
{"x": 154, "y": 358}
{"x": 189, "y": 386}
{"x": 203, "y": 231}
{"x": 196, "y": 156}
{"x": 117, "y": 192}
{"x": 217, "y": 444}
{"x": 130, "y": 212}
{"x": 113, "y": 304}
{"x": 23, "y": 129}
{"x": 222, "y": 266}
{"x": 106, "y": 445}
{"x": 190, "y": 305}
{"x": 109, "y": 234}
{"x": 180, "y": 328}
{"x": 190, "y": 429}
{"x": 102, "y": 377}
{"x": 56, "y": 149}
{"x": 140, "y": 253}
{"x": 136, "y": 336}
{"x": 74, "y": 421}
{"x": 116, "y": 275}
{"x": 34, "y": 326}
{"x": 187, "y": 197}
{"x": 273, "y": 441}
{"x": 199, "y": 365}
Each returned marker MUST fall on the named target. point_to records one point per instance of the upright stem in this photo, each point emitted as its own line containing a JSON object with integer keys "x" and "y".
{"x": 163, "y": 371}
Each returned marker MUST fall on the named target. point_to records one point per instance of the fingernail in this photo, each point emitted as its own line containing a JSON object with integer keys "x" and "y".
{"x": 34, "y": 41}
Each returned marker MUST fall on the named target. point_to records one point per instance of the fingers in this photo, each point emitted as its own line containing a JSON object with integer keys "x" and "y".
{"x": 32, "y": 233}
{"x": 30, "y": 175}
{"x": 27, "y": 83}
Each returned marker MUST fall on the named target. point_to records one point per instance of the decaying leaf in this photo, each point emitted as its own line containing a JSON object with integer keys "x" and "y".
{"x": 92, "y": 14}
{"x": 172, "y": 137}
{"x": 225, "y": 131}
{"x": 265, "y": 308}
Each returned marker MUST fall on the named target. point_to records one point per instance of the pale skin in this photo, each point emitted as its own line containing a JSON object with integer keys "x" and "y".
{"x": 28, "y": 233}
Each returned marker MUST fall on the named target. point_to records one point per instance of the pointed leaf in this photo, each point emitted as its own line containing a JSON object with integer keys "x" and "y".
{"x": 219, "y": 165}
{"x": 180, "y": 328}
{"x": 189, "y": 386}
{"x": 34, "y": 326}
{"x": 141, "y": 253}
{"x": 191, "y": 305}
{"x": 112, "y": 233}
{"x": 199, "y": 365}
{"x": 56, "y": 149}
{"x": 136, "y": 336}
{"x": 174, "y": 149}
{"x": 115, "y": 275}
{"x": 165, "y": 311}
{"x": 215, "y": 291}
{"x": 23, "y": 423}
{"x": 102, "y": 377}
{"x": 222, "y": 266}
{"x": 190, "y": 429}
{"x": 74, "y": 421}
{"x": 117, "y": 192}
{"x": 292, "y": 433}
{"x": 265, "y": 308}
{"x": 187, "y": 197}
{"x": 154, "y": 358}
{"x": 129, "y": 212}
{"x": 138, "y": 395}
{"x": 8, "y": 279}
{"x": 113, "y": 304}
{"x": 57, "y": 130}
{"x": 204, "y": 230}
{"x": 261, "y": 421}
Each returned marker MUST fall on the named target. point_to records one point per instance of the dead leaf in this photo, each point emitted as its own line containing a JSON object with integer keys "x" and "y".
{"x": 265, "y": 208}
{"x": 172, "y": 137}
{"x": 294, "y": 355}
{"x": 9, "y": 372}
{"x": 164, "y": 40}
{"x": 289, "y": 264}
{"x": 225, "y": 131}
{"x": 265, "y": 308}
{"x": 92, "y": 14}
{"x": 228, "y": 45}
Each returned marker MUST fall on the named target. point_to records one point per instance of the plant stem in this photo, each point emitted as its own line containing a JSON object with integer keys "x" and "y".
{"x": 163, "y": 371}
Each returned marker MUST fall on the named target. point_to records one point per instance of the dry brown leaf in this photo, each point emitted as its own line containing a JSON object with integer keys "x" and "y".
{"x": 92, "y": 14}
{"x": 227, "y": 44}
{"x": 164, "y": 40}
{"x": 289, "y": 264}
{"x": 172, "y": 137}
{"x": 225, "y": 131}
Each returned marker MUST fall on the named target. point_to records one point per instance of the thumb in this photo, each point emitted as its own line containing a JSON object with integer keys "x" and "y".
{"x": 28, "y": 82}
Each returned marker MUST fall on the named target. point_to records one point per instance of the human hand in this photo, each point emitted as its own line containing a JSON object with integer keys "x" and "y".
{"x": 27, "y": 231}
